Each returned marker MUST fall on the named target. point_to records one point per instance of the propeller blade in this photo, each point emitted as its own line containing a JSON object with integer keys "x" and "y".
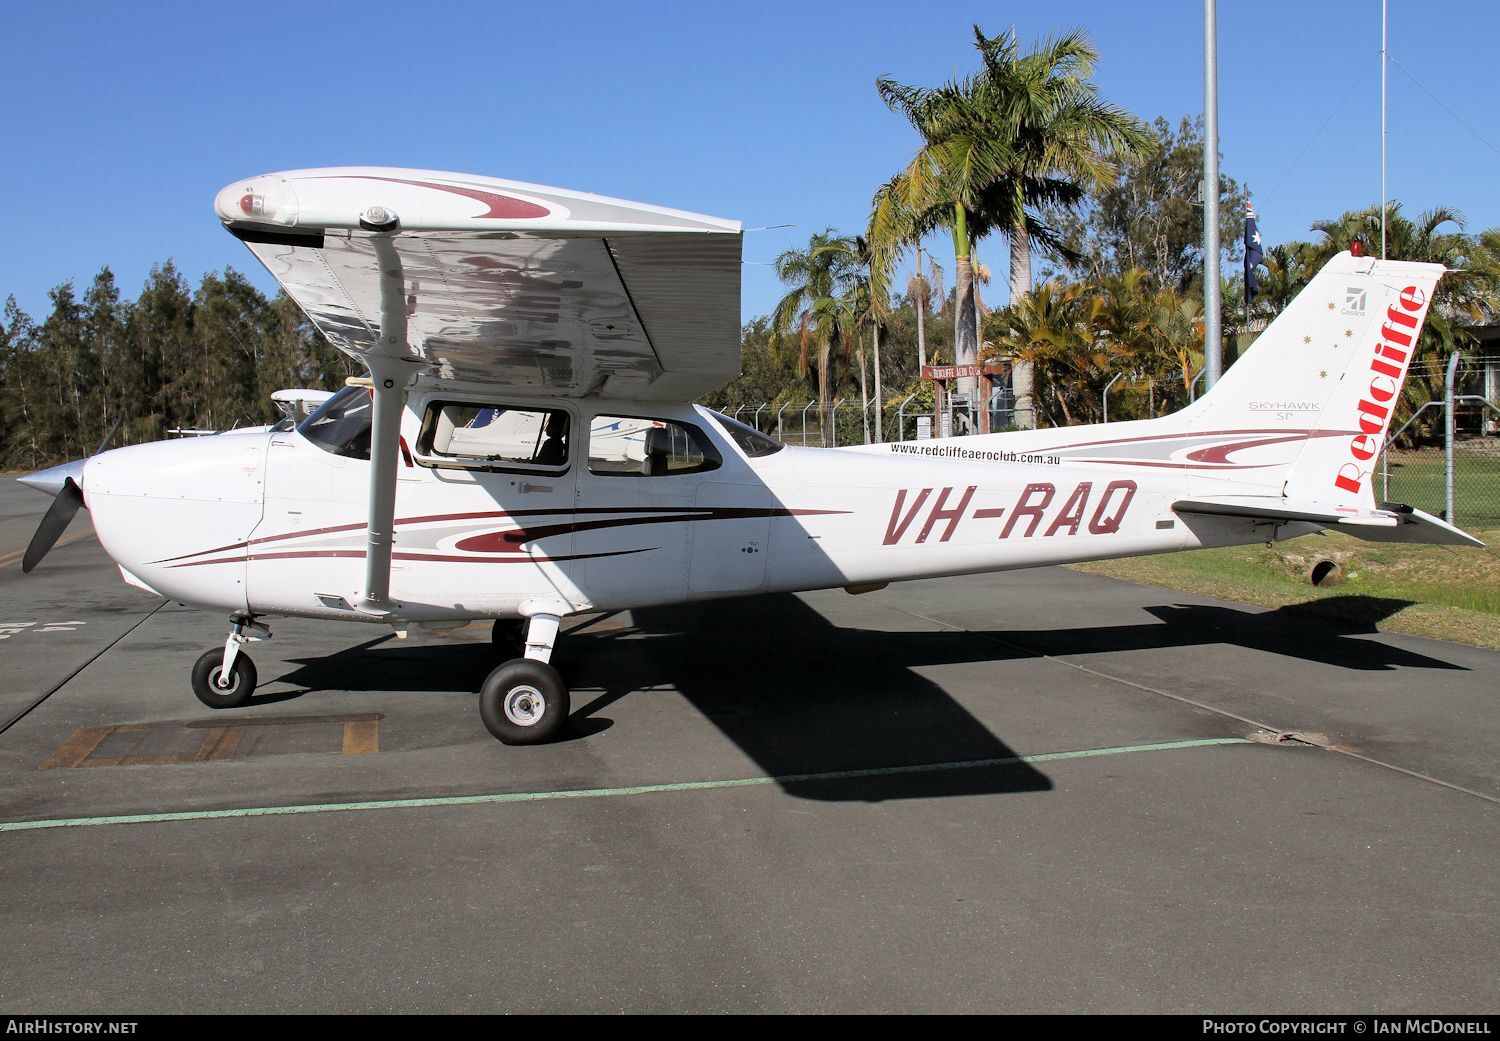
{"x": 109, "y": 436}
{"x": 53, "y": 524}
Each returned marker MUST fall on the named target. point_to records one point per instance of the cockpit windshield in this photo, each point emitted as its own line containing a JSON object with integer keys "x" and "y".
{"x": 751, "y": 441}
{"x": 342, "y": 424}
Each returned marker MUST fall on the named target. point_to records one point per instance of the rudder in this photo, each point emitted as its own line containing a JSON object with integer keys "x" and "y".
{"x": 1328, "y": 372}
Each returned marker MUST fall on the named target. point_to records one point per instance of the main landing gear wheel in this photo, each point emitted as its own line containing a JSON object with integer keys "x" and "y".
{"x": 524, "y": 702}
{"x": 207, "y": 672}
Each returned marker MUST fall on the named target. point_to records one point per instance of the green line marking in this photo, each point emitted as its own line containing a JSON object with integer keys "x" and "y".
{"x": 502, "y": 798}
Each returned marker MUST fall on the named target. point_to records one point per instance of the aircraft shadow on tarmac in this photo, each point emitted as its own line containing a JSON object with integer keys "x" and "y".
{"x": 1306, "y": 631}
{"x": 801, "y": 695}
{"x": 794, "y": 692}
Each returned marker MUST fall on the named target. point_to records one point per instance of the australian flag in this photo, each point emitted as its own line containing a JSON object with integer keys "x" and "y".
{"x": 1253, "y": 253}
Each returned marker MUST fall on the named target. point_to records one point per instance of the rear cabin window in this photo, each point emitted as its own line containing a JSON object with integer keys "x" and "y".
{"x": 493, "y": 437}
{"x": 341, "y": 425}
{"x": 633, "y": 446}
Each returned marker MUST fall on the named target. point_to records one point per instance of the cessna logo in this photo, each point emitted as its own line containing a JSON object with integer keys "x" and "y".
{"x": 940, "y": 516}
{"x": 1388, "y": 369}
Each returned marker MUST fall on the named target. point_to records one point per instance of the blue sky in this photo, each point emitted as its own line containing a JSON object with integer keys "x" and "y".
{"x": 123, "y": 120}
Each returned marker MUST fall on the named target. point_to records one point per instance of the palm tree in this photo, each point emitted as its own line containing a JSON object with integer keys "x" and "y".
{"x": 862, "y": 309}
{"x": 947, "y": 185}
{"x": 1177, "y": 337}
{"x": 816, "y": 307}
{"x": 1024, "y": 132}
{"x": 1063, "y": 132}
{"x": 1052, "y": 329}
{"x": 925, "y": 294}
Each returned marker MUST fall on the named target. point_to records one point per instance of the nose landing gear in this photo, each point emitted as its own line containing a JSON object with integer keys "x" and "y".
{"x": 225, "y": 678}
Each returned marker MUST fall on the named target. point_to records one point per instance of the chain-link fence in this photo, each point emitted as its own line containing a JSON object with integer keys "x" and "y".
{"x": 800, "y": 423}
{"x": 1419, "y": 477}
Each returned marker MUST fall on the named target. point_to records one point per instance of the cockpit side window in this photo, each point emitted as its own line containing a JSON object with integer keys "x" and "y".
{"x": 342, "y": 424}
{"x": 494, "y": 437}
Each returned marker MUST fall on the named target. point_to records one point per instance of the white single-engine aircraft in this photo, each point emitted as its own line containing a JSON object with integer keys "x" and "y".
{"x": 525, "y": 447}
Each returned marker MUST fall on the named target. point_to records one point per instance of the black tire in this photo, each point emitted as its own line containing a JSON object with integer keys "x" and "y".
{"x": 206, "y": 677}
{"x": 524, "y": 702}
{"x": 509, "y": 636}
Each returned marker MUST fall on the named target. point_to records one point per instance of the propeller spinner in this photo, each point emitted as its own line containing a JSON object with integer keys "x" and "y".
{"x": 63, "y": 483}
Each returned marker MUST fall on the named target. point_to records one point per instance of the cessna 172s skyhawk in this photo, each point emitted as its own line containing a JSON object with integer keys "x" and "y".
{"x": 525, "y": 447}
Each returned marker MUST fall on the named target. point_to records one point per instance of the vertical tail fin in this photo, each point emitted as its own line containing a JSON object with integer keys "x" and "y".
{"x": 1326, "y": 376}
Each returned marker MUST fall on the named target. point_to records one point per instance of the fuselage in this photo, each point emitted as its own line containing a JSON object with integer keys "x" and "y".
{"x": 589, "y": 503}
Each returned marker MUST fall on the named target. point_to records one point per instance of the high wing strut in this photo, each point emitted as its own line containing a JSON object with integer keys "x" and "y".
{"x": 392, "y": 370}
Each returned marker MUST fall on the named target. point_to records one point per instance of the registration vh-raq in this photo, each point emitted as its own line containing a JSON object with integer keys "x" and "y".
{"x": 525, "y": 446}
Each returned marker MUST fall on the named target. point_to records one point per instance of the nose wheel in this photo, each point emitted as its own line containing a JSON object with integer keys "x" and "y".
{"x": 218, "y": 689}
{"x": 224, "y": 677}
{"x": 525, "y": 701}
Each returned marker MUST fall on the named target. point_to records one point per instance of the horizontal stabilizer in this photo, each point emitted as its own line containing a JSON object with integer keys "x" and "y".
{"x": 1392, "y": 523}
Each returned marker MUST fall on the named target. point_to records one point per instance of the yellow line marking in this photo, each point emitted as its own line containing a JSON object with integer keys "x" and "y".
{"x": 361, "y": 737}
{"x": 76, "y": 748}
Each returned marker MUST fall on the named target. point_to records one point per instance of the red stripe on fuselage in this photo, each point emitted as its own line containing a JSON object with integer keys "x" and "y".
{"x": 299, "y": 554}
{"x": 508, "y": 539}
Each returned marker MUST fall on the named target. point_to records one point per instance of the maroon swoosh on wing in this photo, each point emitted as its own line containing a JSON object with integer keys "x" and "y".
{"x": 501, "y": 207}
{"x": 1178, "y": 435}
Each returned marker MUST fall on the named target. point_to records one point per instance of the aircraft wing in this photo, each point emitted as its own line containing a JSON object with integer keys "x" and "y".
{"x": 1391, "y": 523}
{"x": 558, "y": 292}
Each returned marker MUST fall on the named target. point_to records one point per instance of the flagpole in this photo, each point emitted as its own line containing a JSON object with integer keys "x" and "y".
{"x": 1383, "y": 63}
{"x": 1213, "y": 359}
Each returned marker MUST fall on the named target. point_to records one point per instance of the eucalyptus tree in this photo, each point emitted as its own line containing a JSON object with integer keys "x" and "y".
{"x": 104, "y": 320}
{"x": 65, "y": 378}
{"x": 161, "y": 336}
{"x": 20, "y": 446}
{"x": 1147, "y": 217}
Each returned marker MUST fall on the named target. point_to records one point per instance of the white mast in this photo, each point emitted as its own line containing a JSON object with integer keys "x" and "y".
{"x": 1213, "y": 357}
{"x": 1383, "y": 62}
